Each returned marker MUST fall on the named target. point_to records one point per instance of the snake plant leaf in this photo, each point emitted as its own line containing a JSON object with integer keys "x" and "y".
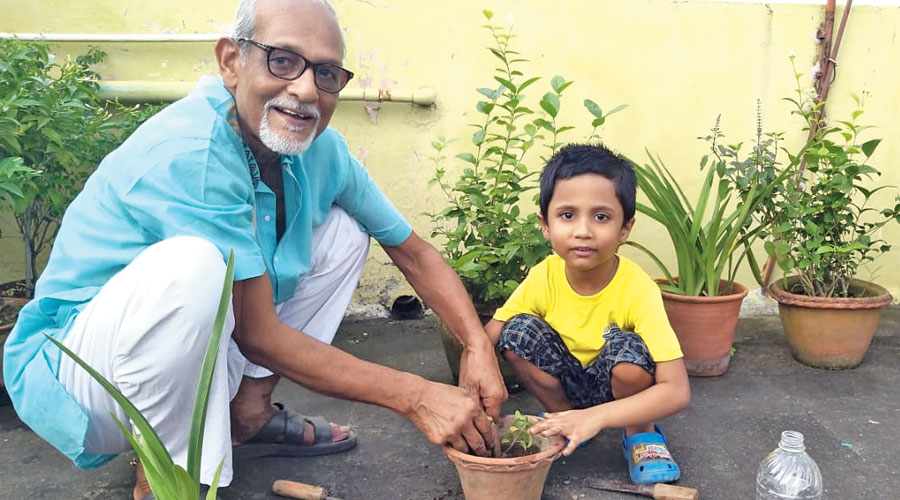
{"x": 160, "y": 479}
{"x": 134, "y": 414}
{"x": 214, "y": 487}
{"x": 198, "y": 418}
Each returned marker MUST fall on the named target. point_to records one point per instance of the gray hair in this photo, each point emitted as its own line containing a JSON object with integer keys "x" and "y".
{"x": 245, "y": 23}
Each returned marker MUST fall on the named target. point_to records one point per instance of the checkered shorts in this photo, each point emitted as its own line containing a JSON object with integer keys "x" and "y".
{"x": 532, "y": 339}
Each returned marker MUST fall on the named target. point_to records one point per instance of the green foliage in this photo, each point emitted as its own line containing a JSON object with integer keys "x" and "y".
{"x": 167, "y": 480}
{"x": 517, "y": 434}
{"x": 489, "y": 240}
{"x": 12, "y": 175}
{"x": 823, "y": 228}
{"x": 711, "y": 237}
{"x": 56, "y": 128}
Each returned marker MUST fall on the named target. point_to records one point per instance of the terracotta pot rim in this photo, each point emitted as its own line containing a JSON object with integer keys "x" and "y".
{"x": 516, "y": 463}
{"x": 785, "y": 297}
{"x": 738, "y": 293}
{"x": 549, "y": 455}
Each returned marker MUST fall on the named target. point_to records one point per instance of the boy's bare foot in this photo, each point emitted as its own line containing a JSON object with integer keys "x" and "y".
{"x": 640, "y": 428}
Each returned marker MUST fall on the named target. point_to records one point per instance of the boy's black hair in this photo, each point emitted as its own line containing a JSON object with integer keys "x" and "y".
{"x": 577, "y": 159}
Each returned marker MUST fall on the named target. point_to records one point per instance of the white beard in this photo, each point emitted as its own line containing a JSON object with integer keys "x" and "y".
{"x": 278, "y": 141}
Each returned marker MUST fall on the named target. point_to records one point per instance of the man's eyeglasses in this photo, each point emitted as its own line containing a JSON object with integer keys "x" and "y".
{"x": 289, "y": 65}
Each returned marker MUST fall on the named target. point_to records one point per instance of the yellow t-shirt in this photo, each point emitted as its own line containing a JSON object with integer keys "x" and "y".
{"x": 631, "y": 301}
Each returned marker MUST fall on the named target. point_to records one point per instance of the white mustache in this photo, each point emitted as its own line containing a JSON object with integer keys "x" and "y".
{"x": 294, "y": 106}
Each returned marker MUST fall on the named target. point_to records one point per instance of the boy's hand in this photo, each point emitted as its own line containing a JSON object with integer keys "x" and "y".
{"x": 479, "y": 375}
{"x": 575, "y": 425}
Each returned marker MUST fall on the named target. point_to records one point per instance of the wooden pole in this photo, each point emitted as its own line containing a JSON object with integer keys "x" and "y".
{"x": 827, "y": 64}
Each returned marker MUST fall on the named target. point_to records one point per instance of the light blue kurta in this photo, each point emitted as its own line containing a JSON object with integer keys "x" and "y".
{"x": 184, "y": 172}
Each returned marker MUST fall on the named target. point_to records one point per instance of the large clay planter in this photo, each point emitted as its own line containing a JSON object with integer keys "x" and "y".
{"x": 831, "y": 333}
{"x": 519, "y": 478}
{"x": 705, "y": 328}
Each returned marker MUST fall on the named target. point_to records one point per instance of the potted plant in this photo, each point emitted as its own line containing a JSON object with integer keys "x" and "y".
{"x": 518, "y": 474}
{"x": 824, "y": 229}
{"x": 488, "y": 239}
{"x": 710, "y": 238}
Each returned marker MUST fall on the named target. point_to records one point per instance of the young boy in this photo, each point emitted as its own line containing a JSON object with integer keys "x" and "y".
{"x": 586, "y": 331}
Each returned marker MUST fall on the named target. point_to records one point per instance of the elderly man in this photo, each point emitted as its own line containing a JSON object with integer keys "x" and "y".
{"x": 245, "y": 162}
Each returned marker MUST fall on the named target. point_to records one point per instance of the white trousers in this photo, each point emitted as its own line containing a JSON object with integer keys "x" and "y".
{"x": 147, "y": 329}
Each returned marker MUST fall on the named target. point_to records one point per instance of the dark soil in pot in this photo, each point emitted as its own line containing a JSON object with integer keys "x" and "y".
{"x": 518, "y": 451}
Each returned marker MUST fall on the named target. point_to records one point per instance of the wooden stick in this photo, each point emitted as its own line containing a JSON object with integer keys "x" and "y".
{"x": 828, "y": 61}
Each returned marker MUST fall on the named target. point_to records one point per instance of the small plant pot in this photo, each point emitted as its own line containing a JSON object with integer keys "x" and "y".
{"x": 830, "y": 333}
{"x": 705, "y": 328}
{"x": 519, "y": 478}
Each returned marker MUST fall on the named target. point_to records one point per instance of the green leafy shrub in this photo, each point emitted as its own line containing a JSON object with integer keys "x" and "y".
{"x": 12, "y": 175}
{"x": 823, "y": 227}
{"x": 54, "y": 130}
{"x": 488, "y": 239}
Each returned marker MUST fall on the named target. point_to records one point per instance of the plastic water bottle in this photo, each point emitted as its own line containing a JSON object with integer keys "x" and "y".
{"x": 788, "y": 472}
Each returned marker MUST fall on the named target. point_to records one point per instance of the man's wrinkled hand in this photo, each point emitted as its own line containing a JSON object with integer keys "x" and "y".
{"x": 449, "y": 415}
{"x": 479, "y": 375}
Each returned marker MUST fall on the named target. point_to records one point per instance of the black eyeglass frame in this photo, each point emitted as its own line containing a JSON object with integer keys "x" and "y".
{"x": 306, "y": 64}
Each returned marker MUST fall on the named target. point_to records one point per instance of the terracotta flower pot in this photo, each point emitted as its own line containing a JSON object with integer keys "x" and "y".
{"x": 519, "y": 478}
{"x": 705, "y": 328}
{"x": 832, "y": 333}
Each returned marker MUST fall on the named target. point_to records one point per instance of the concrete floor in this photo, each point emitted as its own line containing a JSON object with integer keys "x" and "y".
{"x": 850, "y": 419}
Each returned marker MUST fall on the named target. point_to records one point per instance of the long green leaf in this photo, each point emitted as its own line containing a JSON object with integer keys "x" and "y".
{"x": 198, "y": 418}
{"x": 160, "y": 479}
{"x": 147, "y": 432}
{"x": 214, "y": 487}
{"x": 701, "y": 204}
{"x": 654, "y": 258}
{"x": 187, "y": 487}
{"x": 672, "y": 186}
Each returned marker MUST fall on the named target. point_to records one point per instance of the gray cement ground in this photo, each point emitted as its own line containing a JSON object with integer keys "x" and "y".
{"x": 851, "y": 421}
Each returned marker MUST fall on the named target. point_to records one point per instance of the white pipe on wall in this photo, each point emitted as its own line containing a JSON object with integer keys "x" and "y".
{"x": 142, "y": 91}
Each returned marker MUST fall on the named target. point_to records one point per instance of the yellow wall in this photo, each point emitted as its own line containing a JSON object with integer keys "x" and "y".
{"x": 677, "y": 64}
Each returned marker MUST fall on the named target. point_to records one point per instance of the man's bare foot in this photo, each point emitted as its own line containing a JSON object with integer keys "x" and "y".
{"x": 141, "y": 486}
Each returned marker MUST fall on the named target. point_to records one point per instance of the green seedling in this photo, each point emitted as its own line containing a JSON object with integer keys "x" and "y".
{"x": 167, "y": 480}
{"x": 518, "y": 434}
